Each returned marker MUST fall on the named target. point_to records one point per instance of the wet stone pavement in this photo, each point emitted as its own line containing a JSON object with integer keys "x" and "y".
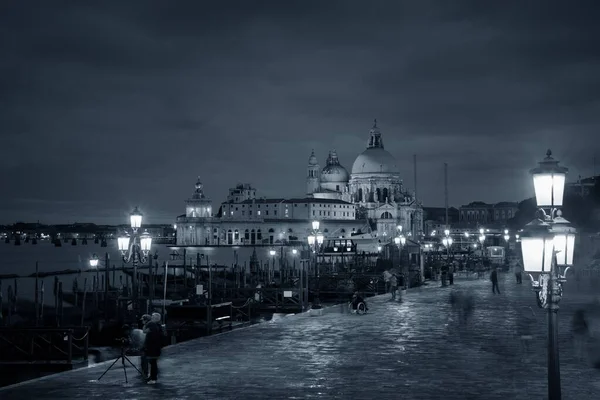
{"x": 407, "y": 350}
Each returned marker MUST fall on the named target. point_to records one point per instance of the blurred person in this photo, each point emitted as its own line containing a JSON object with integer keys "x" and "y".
{"x": 519, "y": 272}
{"x": 494, "y": 279}
{"x": 525, "y": 326}
{"x": 580, "y": 330}
{"x": 393, "y": 286}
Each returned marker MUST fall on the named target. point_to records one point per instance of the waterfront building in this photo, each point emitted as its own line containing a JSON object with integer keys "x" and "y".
{"x": 480, "y": 213}
{"x": 369, "y": 202}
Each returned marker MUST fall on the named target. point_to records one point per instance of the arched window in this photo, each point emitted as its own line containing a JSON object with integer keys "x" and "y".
{"x": 386, "y": 215}
{"x": 246, "y": 234}
{"x": 378, "y": 191}
{"x": 236, "y": 235}
{"x": 326, "y": 230}
{"x": 229, "y": 237}
{"x": 360, "y": 194}
{"x": 252, "y": 237}
{"x": 385, "y": 194}
{"x": 258, "y": 235}
{"x": 271, "y": 230}
{"x": 343, "y": 231}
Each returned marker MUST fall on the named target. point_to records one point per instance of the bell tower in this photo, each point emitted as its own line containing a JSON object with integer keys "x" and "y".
{"x": 313, "y": 176}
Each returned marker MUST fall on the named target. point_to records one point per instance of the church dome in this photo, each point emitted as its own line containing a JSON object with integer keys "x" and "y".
{"x": 375, "y": 159}
{"x": 333, "y": 171}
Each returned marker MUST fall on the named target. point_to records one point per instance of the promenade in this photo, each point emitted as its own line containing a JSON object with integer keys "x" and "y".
{"x": 407, "y": 350}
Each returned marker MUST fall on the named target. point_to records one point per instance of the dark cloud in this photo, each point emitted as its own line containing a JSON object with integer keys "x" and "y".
{"x": 110, "y": 105}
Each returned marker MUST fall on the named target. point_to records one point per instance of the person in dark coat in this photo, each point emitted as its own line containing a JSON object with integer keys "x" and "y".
{"x": 494, "y": 279}
{"x": 153, "y": 345}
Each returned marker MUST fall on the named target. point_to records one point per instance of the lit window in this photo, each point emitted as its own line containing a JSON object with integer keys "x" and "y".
{"x": 258, "y": 213}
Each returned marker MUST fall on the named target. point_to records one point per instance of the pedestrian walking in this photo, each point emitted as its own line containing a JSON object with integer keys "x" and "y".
{"x": 519, "y": 272}
{"x": 580, "y": 330}
{"x": 393, "y": 286}
{"x": 494, "y": 279}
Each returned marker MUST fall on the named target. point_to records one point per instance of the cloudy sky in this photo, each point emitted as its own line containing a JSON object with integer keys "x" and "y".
{"x": 107, "y": 105}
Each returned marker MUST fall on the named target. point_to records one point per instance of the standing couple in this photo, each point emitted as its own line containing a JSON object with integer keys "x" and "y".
{"x": 152, "y": 344}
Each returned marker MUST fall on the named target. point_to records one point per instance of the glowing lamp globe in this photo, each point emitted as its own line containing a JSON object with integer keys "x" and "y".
{"x": 481, "y": 231}
{"x": 549, "y": 182}
{"x": 272, "y": 252}
{"x": 294, "y": 251}
{"x": 537, "y": 246}
{"x": 135, "y": 218}
{"x": 311, "y": 240}
{"x": 445, "y": 241}
{"x": 564, "y": 240}
{"x": 450, "y": 241}
{"x": 378, "y": 248}
{"x": 145, "y": 242}
{"x": 320, "y": 239}
{"x": 123, "y": 243}
{"x": 94, "y": 261}
{"x": 506, "y": 237}
{"x": 447, "y": 232}
{"x": 402, "y": 240}
{"x": 482, "y": 238}
{"x": 397, "y": 240}
{"x": 315, "y": 225}
{"x": 466, "y": 234}
{"x": 399, "y": 228}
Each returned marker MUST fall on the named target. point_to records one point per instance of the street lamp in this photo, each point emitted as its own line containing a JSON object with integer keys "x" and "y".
{"x": 506, "y": 237}
{"x": 549, "y": 182}
{"x": 547, "y": 243}
{"x": 315, "y": 241}
{"x": 447, "y": 232}
{"x": 94, "y": 261}
{"x": 564, "y": 240}
{"x": 482, "y": 240}
{"x": 272, "y": 253}
{"x": 135, "y": 249}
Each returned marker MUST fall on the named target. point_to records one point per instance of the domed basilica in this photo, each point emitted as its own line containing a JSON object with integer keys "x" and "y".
{"x": 368, "y": 203}
{"x": 374, "y": 186}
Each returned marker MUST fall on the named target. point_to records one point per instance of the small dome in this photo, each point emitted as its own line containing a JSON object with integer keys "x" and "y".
{"x": 312, "y": 160}
{"x": 333, "y": 171}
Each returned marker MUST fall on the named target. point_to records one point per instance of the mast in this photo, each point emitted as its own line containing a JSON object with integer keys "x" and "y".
{"x": 446, "y": 191}
{"x": 415, "y": 174}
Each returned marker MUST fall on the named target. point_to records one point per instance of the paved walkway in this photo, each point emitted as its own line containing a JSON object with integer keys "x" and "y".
{"x": 408, "y": 350}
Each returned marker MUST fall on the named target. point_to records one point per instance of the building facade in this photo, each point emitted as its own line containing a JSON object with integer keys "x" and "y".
{"x": 480, "y": 213}
{"x": 371, "y": 200}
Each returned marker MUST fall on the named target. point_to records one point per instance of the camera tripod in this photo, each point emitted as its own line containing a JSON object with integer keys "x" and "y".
{"x": 123, "y": 358}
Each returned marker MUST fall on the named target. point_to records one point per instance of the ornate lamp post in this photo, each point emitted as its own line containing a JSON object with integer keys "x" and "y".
{"x": 315, "y": 241}
{"x": 135, "y": 249}
{"x": 547, "y": 243}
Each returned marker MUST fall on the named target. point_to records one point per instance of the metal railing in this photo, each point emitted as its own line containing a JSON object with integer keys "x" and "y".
{"x": 44, "y": 344}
